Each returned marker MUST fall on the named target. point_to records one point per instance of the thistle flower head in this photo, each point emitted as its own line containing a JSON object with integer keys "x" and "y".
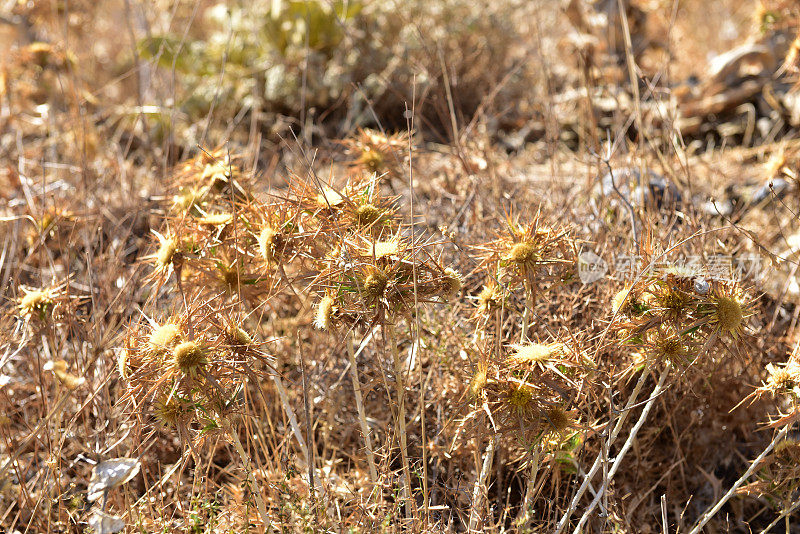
{"x": 781, "y": 377}
{"x": 328, "y": 197}
{"x": 728, "y": 314}
{"x": 375, "y": 283}
{"x": 326, "y": 308}
{"x": 187, "y": 198}
{"x": 630, "y": 301}
{"x": 266, "y": 243}
{"x": 557, "y": 418}
{"x": 164, "y": 336}
{"x": 36, "y": 302}
{"x": 452, "y": 283}
{"x": 490, "y": 298}
{"x": 382, "y": 249}
{"x": 369, "y": 214}
{"x": 477, "y": 383}
{"x": 216, "y": 219}
{"x": 166, "y": 251}
{"x": 522, "y": 255}
{"x": 371, "y": 159}
{"x": 670, "y": 347}
{"x": 170, "y": 411}
{"x": 520, "y": 398}
{"x": 238, "y": 336}
{"x": 189, "y": 358}
{"x": 535, "y": 353}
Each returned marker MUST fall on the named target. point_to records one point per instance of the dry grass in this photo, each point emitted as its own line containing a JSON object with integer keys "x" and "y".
{"x": 328, "y": 266}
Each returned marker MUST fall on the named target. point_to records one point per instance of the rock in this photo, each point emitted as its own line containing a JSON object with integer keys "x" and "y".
{"x": 721, "y": 207}
{"x": 778, "y": 186}
{"x": 659, "y": 191}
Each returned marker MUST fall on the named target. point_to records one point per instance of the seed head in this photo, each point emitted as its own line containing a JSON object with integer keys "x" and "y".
{"x": 489, "y": 298}
{"x": 535, "y": 352}
{"x": 329, "y": 197}
{"x": 729, "y": 315}
{"x": 166, "y": 251}
{"x": 368, "y": 214}
{"x": 189, "y": 357}
{"x": 170, "y": 411}
{"x": 325, "y": 311}
{"x": 164, "y": 336}
{"x": 452, "y": 283}
{"x": 780, "y": 377}
{"x": 371, "y": 159}
{"x": 670, "y": 348}
{"x": 375, "y": 284}
{"x": 37, "y": 302}
{"x": 522, "y": 254}
{"x": 266, "y": 243}
{"x": 238, "y": 336}
{"x": 477, "y": 383}
{"x": 381, "y": 249}
{"x": 625, "y": 301}
{"x": 558, "y": 419}
{"x": 216, "y": 219}
{"x": 187, "y": 198}
{"x": 520, "y": 397}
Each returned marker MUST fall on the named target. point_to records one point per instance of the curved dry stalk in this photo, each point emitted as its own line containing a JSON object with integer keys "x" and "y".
{"x": 298, "y": 434}
{"x": 475, "y": 515}
{"x": 399, "y": 373}
{"x": 711, "y": 512}
{"x": 524, "y": 517}
{"x": 625, "y": 448}
{"x": 623, "y": 415}
{"x": 260, "y": 504}
{"x": 784, "y": 514}
{"x": 362, "y": 417}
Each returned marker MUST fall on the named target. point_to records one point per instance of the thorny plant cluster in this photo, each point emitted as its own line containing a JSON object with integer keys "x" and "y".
{"x": 315, "y": 356}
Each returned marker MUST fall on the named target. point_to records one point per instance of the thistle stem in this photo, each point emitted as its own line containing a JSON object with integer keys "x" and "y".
{"x": 480, "y": 483}
{"x": 298, "y": 434}
{"x": 625, "y": 448}
{"x": 260, "y": 504}
{"x": 399, "y": 373}
{"x": 524, "y": 515}
{"x": 362, "y": 417}
{"x": 713, "y": 510}
{"x": 562, "y": 523}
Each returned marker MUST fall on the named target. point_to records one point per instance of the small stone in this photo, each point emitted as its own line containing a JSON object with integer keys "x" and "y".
{"x": 111, "y": 474}
{"x": 779, "y": 187}
{"x": 660, "y": 190}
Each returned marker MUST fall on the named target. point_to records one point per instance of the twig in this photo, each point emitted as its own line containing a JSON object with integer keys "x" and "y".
{"x": 706, "y": 517}
{"x": 362, "y": 417}
{"x": 475, "y": 516}
{"x": 399, "y": 381}
{"x": 290, "y": 414}
{"x": 260, "y": 504}
{"x": 625, "y": 447}
{"x": 562, "y": 523}
{"x": 309, "y": 435}
{"x": 785, "y": 513}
